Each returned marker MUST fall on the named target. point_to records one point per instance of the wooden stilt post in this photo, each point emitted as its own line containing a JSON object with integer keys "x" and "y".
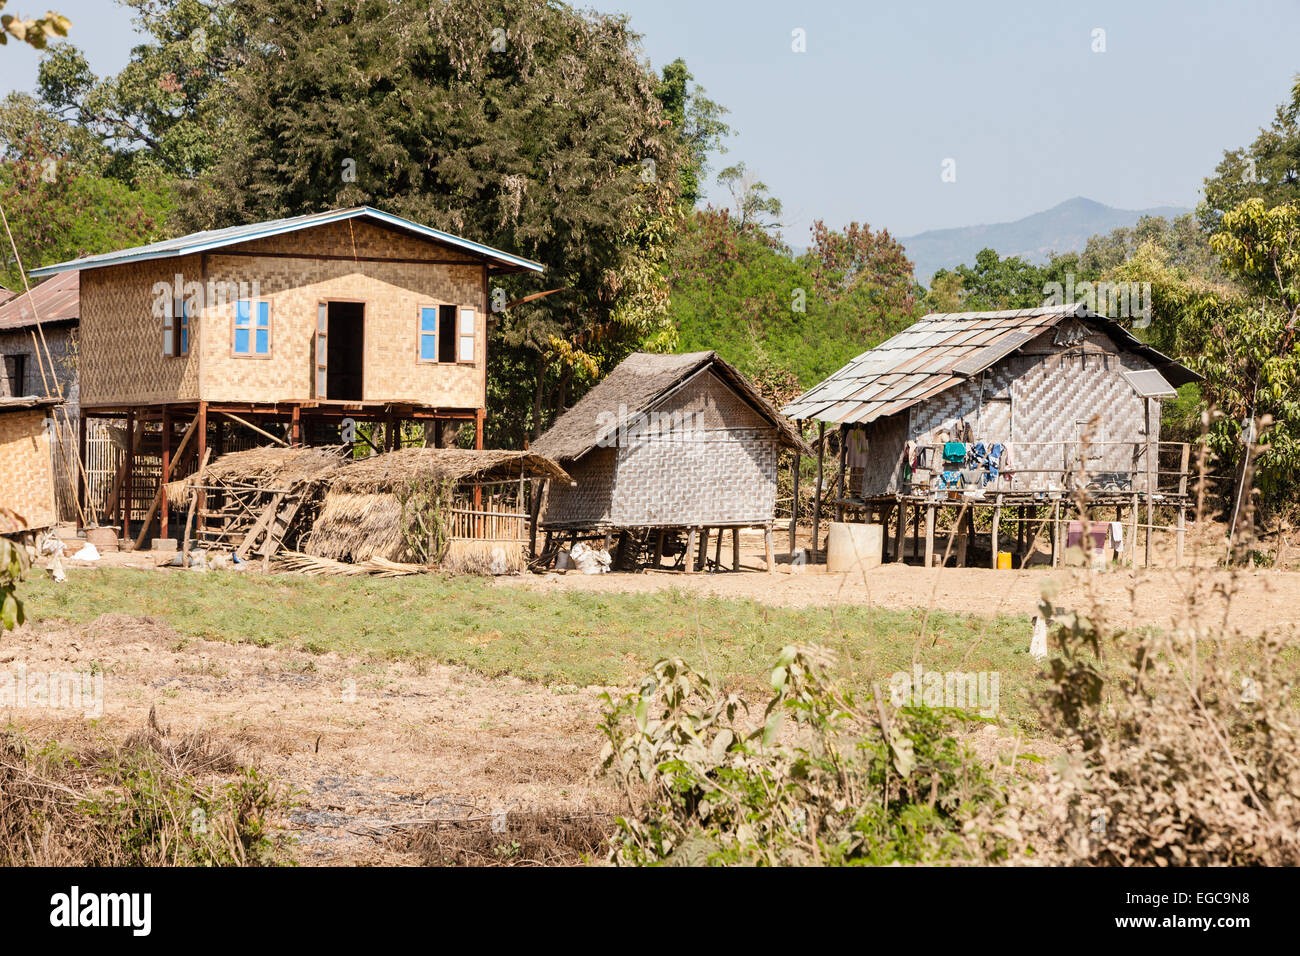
{"x": 702, "y": 558}
{"x": 735, "y": 549}
{"x": 1133, "y": 534}
{"x": 993, "y": 534}
{"x": 295, "y": 426}
{"x": 929, "y": 535}
{"x": 166, "y": 473}
{"x": 900, "y": 528}
{"x": 767, "y": 549}
{"x": 1057, "y": 550}
{"x": 916, "y": 531}
{"x": 82, "y": 491}
{"x": 817, "y": 497}
{"x": 1181, "y": 536}
{"x": 839, "y": 485}
{"x": 659, "y": 548}
{"x": 690, "y": 551}
{"x": 128, "y": 483}
{"x": 717, "y": 549}
{"x": 794, "y": 505}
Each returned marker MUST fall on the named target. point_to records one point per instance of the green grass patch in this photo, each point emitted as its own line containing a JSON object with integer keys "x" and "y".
{"x": 553, "y": 637}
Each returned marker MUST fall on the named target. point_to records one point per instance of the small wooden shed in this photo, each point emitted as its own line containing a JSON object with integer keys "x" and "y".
{"x": 668, "y": 443}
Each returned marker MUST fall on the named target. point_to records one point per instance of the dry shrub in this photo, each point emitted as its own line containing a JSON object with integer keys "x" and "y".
{"x": 528, "y": 838}
{"x": 153, "y": 801}
{"x": 1179, "y": 753}
{"x": 1183, "y": 743}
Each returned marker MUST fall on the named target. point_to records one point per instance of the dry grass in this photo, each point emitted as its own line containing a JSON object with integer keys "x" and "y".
{"x": 546, "y": 837}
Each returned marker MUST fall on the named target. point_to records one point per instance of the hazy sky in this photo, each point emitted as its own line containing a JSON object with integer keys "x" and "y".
{"x": 859, "y": 125}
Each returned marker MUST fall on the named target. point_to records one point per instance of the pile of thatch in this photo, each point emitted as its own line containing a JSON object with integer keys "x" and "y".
{"x": 362, "y": 518}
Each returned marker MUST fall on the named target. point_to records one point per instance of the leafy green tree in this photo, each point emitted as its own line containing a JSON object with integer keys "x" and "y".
{"x": 1267, "y": 169}
{"x": 166, "y": 107}
{"x": 994, "y": 283}
{"x": 698, "y": 123}
{"x": 753, "y": 202}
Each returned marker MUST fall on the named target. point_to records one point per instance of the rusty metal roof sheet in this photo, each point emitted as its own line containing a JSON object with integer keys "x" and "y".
{"x": 57, "y": 299}
{"x": 943, "y": 349}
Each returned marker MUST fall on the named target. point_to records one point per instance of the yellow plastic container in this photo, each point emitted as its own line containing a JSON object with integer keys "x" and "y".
{"x": 1004, "y": 560}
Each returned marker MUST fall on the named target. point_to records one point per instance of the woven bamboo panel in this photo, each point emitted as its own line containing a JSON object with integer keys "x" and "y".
{"x": 121, "y": 359}
{"x": 122, "y": 338}
{"x": 715, "y": 477}
{"x": 355, "y": 238}
{"x": 26, "y": 474}
{"x": 1057, "y": 383}
{"x": 393, "y": 294}
{"x": 588, "y": 501}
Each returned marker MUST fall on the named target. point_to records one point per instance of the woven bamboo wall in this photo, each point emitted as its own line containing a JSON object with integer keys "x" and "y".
{"x": 122, "y": 339}
{"x": 121, "y": 358}
{"x": 719, "y": 469}
{"x": 587, "y": 503}
{"x": 1055, "y": 382}
{"x": 26, "y": 475}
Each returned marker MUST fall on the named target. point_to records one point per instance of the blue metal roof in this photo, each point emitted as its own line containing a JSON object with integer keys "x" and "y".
{"x": 218, "y": 238}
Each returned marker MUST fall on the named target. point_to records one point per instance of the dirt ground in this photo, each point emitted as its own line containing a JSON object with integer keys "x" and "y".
{"x": 1261, "y": 598}
{"x": 371, "y": 748}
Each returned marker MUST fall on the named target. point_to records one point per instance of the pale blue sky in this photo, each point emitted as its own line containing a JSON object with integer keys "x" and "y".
{"x": 858, "y": 126}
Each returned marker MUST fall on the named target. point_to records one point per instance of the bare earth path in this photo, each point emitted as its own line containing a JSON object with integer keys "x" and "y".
{"x": 1263, "y": 599}
{"x": 367, "y": 744}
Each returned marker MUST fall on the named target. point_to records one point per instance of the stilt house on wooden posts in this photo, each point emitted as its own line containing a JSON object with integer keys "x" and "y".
{"x": 999, "y": 410}
{"x": 292, "y": 329}
{"x": 667, "y": 446}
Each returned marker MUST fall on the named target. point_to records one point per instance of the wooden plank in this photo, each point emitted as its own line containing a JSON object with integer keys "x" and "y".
{"x": 767, "y": 549}
{"x": 247, "y": 424}
{"x": 817, "y": 497}
{"x": 259, "y": 526}
{"x": 929, "y": 535}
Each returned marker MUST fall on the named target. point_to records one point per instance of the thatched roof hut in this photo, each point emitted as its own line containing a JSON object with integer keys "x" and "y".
{"x": 668, "y": 441}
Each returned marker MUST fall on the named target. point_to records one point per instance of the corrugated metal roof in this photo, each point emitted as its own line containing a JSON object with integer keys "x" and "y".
{"x": 944, "y": 349}
{"x": 219, "y": 238}
{"x": 57, "y": 299}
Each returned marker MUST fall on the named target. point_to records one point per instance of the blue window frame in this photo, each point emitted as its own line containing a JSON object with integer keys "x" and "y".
{"x": 171, "y": 345}
{"x": 252, "y": 327}
{"x": 429, "y": 334}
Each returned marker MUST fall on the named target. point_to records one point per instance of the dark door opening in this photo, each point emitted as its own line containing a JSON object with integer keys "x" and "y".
{"x": 345, "y": 355}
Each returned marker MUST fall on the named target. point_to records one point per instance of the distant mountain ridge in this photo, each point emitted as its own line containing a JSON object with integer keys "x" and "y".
{"x": 1063, "y": 228}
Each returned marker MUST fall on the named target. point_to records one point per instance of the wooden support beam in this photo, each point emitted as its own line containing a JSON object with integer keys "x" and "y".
{"x": 900, "y": 529}
{"x": 164, "y": 510}
{"x": 735, "y": 549}
{"x": 247, "y": 424}
{"x": 840, "y": 483}
{"x": 794, "y": 503}
{"x": 128, "y": 481}
{"x": 1057, "y": 549}
{"x": 817, "y": 496}
{"x": 767, "y": 550}
{"x": 1181, "y": 536}
{"x": 162, "y": 485}
{"x": 1133, "y": 534}
{"x": 689, "y": 557}
{"x": 929, "y": 535}
{"x": 993, "y": 534}
{"x": 82, "y": 490}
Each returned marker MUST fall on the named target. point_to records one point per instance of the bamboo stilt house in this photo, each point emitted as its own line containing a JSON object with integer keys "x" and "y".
{"x": 1023, "y": 409}
{"x": 668, "y": 443}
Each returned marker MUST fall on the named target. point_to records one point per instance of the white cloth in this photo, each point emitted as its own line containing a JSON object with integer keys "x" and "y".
{"x": 1117, "y": 535}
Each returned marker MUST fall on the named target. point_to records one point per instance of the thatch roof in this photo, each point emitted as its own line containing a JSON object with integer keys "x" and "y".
{"x": 269, "y": 466}
{"x": 941, "y": 351}
{"x": 384, "y": 472}
{"x": 638, "y": 383}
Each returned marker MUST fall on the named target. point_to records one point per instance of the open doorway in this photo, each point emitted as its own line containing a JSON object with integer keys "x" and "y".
{"x": 345, "y": 352}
